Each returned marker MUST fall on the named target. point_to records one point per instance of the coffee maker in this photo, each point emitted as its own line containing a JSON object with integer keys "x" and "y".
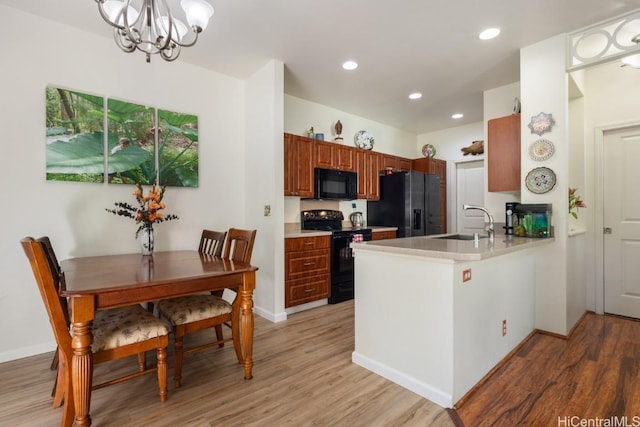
{"x": 528, "y": 220}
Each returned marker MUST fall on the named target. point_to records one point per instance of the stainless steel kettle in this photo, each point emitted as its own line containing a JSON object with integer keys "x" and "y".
{"x": 357, "y": 220}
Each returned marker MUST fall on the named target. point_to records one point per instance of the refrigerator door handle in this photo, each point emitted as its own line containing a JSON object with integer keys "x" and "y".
{"x": 417, "y": 219}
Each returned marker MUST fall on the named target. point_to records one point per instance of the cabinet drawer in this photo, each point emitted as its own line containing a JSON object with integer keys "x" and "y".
{"x": 306, "y": 243}
{"x": 306, "y": 263}
{"x": 306, "y": 290}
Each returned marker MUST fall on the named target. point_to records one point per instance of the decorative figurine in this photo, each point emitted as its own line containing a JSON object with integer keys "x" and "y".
{"x": 338, "y": 129}
{"x": 476, "y": 147}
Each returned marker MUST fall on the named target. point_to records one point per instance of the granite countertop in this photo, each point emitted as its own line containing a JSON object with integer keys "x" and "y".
{"x": 454, "y": 250}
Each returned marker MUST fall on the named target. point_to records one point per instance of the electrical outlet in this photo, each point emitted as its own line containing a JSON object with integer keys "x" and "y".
{"x": 466, "y": 275}
{"x": 504, "y": 327}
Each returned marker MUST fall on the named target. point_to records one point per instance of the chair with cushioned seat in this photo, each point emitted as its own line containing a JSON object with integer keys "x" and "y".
{"x": 197, "y": 312}
{"x": 117, "y": 333}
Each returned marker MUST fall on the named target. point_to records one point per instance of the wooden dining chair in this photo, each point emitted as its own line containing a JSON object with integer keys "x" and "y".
{"x": 117, "y": 333}
{"x": 197, "y": 312}
{"x": 212, "y": 242}
{"x": 239, "y": 245}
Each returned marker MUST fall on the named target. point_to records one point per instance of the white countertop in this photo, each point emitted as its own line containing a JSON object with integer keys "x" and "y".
{"x": 455, "y": 250}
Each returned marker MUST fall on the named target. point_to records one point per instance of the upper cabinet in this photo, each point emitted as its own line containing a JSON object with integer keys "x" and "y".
{"x": 298, "y": 165}
{"x": 503, "y": 170}
{"x": 395, "y": 163}
{"x": 302, "y": 155}
{"x": 330, "y": 155}
{"x": 368, "y": 168}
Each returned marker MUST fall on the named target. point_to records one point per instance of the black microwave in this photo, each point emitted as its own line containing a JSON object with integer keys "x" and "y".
{"x": 335, "y": 184}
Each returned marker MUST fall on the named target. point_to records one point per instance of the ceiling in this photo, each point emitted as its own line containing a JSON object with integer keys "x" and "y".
{"x": 402, "y": 46}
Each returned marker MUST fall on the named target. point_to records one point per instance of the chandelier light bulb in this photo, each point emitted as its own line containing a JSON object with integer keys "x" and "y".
{"x": 198, "y": 12}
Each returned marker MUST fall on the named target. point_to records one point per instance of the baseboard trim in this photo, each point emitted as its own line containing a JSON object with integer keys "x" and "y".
{"x": 423, "y": 389}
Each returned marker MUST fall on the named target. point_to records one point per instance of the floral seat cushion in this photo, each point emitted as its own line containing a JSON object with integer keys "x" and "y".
{"x": 126, "y": 325}
{"x": 193, "y": 308}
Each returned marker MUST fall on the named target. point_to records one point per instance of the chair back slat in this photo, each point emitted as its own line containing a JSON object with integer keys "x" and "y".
{"x": 239, "y": 246}
{"x": 48, "y": 285}
{"x": 211, "y": 242}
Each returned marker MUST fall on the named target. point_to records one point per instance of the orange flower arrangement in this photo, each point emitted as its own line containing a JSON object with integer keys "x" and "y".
{"x": 148, "y": 211}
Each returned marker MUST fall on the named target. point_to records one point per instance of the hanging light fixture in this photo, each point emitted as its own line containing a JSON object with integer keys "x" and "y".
{"x": 632, "y": 60}
{"x": 149, "y": 25}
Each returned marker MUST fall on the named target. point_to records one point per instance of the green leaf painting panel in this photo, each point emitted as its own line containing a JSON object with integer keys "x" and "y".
{"x": 74, "y": 129}
{"x": 131, "y": 143}
{"x": 178, "y": 149}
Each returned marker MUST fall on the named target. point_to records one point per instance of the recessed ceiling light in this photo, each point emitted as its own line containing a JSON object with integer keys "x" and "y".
{"x": 457, "y": 116}
{"x": 350, "y": 65}
{"x": 489, "y": 34}
{"x": 415, "y": 95}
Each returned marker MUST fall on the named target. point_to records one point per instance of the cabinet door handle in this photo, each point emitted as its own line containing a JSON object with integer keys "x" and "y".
{"x": 308, "y": 243}
{"x": 306, "y": 264}
{"x": 308, "y": 290}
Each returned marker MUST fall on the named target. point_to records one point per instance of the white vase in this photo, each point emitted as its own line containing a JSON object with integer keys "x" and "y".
{"x": 146, "y": 241}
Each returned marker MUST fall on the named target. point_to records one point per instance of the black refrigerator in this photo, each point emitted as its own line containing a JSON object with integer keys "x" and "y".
{"x": 410, "y": 201}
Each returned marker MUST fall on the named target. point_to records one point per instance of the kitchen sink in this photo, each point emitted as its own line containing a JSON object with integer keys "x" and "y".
{"x": 460, "y": 237}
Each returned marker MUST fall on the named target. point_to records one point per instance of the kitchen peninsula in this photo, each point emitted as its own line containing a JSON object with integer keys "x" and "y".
{"x": 435, "y": 315}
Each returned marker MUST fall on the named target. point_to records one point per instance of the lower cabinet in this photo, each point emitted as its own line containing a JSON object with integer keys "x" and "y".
{"x": 307, "y": 269}
{"x": 382, "y": 235}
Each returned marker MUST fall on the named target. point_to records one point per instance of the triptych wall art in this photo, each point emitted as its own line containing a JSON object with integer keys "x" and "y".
{"x": 142, "y": 144}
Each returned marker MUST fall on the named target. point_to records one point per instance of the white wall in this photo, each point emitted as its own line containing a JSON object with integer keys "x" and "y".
{"x": 300, "y": 115}
{"x": 544, "y": 88}
{"x": 265, "y": 184}
{"x": 72, "y": 214}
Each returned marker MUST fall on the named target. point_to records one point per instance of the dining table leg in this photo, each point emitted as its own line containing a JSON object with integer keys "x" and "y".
{"x": 246, "y": 321}
{"x": 82, "y": 314}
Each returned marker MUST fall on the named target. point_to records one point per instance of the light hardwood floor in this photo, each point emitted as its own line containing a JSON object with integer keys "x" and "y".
{"x": 303, "y": 376}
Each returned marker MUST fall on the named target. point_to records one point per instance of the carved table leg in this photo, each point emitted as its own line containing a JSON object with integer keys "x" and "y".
{"x": 246, "y": 304}
{"x": 82, "y": 362}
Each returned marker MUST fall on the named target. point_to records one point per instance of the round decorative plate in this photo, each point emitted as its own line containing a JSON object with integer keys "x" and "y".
{"x": 428, "y": 150}
{"x": 540, "y": 180}
{"x": 364, "y": 139}
{"x": 541, "y": 149}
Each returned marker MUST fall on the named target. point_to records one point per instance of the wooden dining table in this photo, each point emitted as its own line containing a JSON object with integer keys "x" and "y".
{"x": 102, "y": 282}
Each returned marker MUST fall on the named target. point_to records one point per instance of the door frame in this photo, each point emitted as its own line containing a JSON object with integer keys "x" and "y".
{"x": 599, "y": 209}
{"x": 452, "y": 198}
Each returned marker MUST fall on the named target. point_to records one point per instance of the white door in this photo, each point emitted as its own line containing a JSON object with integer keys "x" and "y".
{"x": 622, "y": 216}
{"x": 470, "y": 191}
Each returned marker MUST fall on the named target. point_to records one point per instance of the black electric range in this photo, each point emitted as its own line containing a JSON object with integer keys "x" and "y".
{"x": 342, "y": 265}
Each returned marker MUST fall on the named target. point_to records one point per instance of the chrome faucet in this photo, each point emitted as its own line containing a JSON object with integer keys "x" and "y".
{"x": 490, "y": 228}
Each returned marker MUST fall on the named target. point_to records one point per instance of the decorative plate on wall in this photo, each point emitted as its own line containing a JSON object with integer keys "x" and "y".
{"x": 428, "y": 150}
{"x": 364, "y": 139}
{"x": 541, "y": 123}
{"x": 540, "y": 180}
{"x": 541, "y": 149}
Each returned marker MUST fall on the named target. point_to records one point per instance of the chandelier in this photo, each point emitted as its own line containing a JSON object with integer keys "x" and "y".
{"x": 150, "y": 27}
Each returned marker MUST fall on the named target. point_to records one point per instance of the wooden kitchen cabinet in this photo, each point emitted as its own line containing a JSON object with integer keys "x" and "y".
{"x": 436, "y": 167}
{"x": 330, "y": 155}
{"x": 395, "y": 163}
{"x": 503, "y": 157}
{"x": 382, "y": 235}
{"x": 307, "y": 269}
{"x": 298, "y": 165}
{"x": 368, "y": 169}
